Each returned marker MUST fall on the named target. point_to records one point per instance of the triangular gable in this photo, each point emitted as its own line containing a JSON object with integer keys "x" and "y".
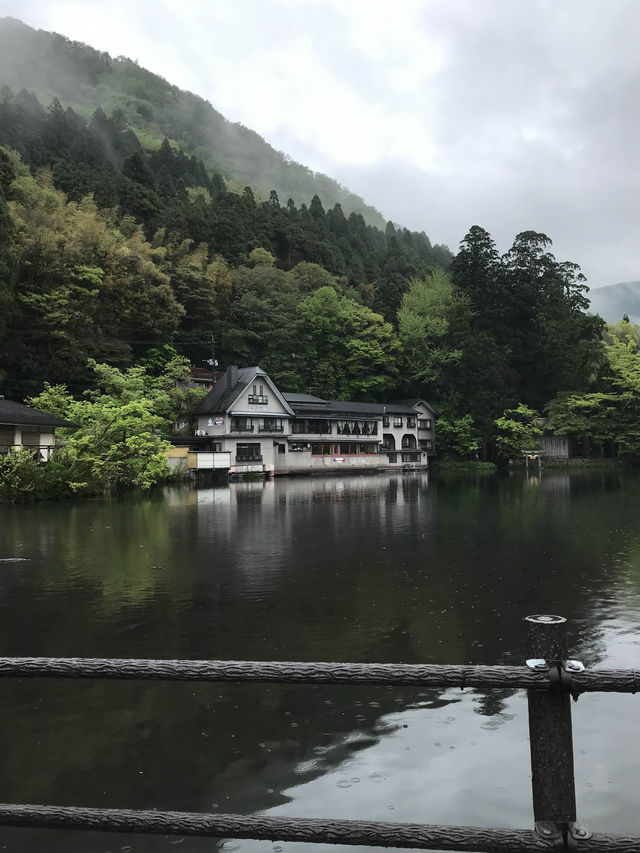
{"x": 427, "y": 405}
{"x": 249, "y": 377}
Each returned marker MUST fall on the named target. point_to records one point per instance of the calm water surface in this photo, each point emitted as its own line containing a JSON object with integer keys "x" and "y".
{"x": 383, "y": 568}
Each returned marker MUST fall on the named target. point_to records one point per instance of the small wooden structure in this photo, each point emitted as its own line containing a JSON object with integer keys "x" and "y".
{"x": 549, "y": 677}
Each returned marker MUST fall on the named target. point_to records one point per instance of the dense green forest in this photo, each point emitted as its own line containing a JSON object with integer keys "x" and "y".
{"x": 119, "y": 253}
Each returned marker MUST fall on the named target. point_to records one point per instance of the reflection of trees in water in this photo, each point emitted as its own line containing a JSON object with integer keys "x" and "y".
{"x": 365, "y": 568}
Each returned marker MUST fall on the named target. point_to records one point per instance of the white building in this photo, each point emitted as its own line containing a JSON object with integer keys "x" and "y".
{"x": 24, "y": 428}
{"x": 247, "y": 425}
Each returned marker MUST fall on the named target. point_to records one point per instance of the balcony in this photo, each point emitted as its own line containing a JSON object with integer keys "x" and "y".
{"x": 247, "y": 460}
{"x": 40, "y": 452}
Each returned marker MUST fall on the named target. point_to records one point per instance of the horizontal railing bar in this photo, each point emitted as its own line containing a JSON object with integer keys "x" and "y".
{"x": 309, "y": 830}
{"x": 422, "y": 675}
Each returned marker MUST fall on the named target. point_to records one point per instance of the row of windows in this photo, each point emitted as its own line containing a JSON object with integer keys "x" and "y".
{"x": 253, "y": 452}
{"x": 264, "y": 425}
{"x": 398, "y": 421}
{"x": 322, "y": 427}
{"x": 351, "y": 448}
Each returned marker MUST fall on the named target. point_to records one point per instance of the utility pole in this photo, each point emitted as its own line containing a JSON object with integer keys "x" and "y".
{"x": 212, "y": 361}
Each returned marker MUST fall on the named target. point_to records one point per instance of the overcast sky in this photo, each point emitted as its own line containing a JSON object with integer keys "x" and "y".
{"x": 509, "y": 114}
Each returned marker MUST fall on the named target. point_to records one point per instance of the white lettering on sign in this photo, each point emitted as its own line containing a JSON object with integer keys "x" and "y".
{"x": 219, "y": 421}
{"x": 338, "y": 459}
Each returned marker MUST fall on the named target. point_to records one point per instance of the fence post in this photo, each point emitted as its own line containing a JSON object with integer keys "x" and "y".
{"x": 550, "y": 733}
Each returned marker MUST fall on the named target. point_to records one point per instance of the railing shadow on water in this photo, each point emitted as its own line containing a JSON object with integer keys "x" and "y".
{"x": 550, "y": 678}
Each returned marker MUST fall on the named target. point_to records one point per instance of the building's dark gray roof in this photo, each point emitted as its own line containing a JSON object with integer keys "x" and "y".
{"x": 335, "y": 408}
{"x": 298, "y": 399}
{"x": 15, "y": 414}
{"x": 220, "y": 399}
{"x": 411, "y": 403}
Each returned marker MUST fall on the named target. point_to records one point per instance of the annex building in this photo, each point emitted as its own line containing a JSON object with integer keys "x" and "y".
{"x": 247, "y": 425}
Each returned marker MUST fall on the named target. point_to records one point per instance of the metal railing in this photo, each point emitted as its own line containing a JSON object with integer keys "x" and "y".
{"x": 549, "y": 677}
{"x": 40, "y": 452}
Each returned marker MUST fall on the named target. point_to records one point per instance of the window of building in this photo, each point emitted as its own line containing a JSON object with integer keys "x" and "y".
{"x": 248, "y": 453}
{"x": 385, "y": 420}
{"x": 241, "y": 425}
{"x": 425, "y": 423}
{"x": 397, "y": 421}
{"x": 316, "y": 426}
{"x": 388, "y": 441}
{"x": 411, "y": 422}
{"x": 282, "y": 448}
{"x": 271, "y": 425}
{"x": 426, "y": 444}
{"x": 298, "y": 446}
{"x": 408, "y": 442}
{"x": 320, "y": 448}
{"x": 258, "y": 397}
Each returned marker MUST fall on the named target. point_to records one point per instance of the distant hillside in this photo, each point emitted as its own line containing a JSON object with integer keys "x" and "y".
{"x": 52, "y": 66}
{"x": 615, "y": 300}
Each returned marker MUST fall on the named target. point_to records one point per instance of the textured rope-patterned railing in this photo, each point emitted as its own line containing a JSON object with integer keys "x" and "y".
{"x": 351, "y": 832}
{"x": 548, "y": 686}
{"x": 419, "y": 675}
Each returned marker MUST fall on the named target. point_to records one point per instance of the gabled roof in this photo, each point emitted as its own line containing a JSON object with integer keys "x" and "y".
{"x": 15, "y": 414}
{"x": 222, "y": 397}
{"x": 349, "y": 407}
{"x": 303, "y": 399}
{"x": 414, "y": 401}
{"x": 309, "y": 406}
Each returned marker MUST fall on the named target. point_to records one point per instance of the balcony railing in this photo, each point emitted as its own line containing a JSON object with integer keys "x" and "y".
{"x": 271, "y": 429}
{"x": 550, "y": 678}
{"x": 40, "y": 452}
{"x": 247, "y": 460}
{"x": 246, "y": 428}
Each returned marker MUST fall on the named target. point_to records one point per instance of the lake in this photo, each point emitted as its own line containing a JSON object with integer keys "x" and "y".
{"x": 379, "y": 568}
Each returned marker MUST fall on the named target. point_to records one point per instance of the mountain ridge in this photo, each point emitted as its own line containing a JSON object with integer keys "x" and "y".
{"x": 83, "y": 78}
{"x": 613, "y": 301}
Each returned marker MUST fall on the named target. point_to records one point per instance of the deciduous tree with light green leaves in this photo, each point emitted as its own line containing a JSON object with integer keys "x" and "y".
{"x": 458, "y": 437}
{"x": 516, "y": 431}
{"x": 610, "y": 415}
{"x": 118, "y": 440}
{"x": 433, "y": 328}
{"x": 348, "y": 350}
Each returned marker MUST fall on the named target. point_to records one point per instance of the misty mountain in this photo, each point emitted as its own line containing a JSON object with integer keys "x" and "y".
{"x": 84, "y": 79}
{"x": 615, "y": 300}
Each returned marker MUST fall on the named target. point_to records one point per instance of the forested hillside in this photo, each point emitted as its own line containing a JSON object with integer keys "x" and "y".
{"x": 51, "y": 66}
{"x": 121, "y": 253}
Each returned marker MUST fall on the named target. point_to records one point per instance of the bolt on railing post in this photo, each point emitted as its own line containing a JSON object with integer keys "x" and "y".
{"x": 550, "y": 732}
